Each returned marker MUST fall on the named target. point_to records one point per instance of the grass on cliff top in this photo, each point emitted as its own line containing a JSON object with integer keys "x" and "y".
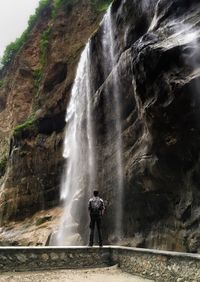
{"x": 99, "y": 5}
{"x": 12, "y": 49}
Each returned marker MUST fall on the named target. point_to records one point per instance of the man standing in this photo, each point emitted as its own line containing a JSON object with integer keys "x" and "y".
{"x": 96, "y": 208}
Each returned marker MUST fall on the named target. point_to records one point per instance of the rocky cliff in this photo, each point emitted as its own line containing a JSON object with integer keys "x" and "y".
{"x": 157, "y": 65}
{"x": 34, "y": 94}
{"x": 158, "y": 70}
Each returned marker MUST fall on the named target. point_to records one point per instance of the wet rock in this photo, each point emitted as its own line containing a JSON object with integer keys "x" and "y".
{"x": 160, "y": 107}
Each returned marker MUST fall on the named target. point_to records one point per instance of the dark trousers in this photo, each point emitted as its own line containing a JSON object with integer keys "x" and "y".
{"x": 95, "y": 220}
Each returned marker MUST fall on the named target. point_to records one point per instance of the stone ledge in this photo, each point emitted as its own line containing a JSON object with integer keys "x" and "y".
{"x": 158, "y": 265}
{"x": 157, "y": 252}
{"x": 153, "y": 264}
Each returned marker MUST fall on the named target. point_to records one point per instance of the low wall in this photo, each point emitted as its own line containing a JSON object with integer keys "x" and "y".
{"x": 153, "y": 264}
{"x": 158, "y": 265}
{"x": 45, "y": 258}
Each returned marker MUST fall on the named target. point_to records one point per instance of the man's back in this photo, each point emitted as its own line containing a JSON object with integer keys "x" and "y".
{"x": 96, "y": 209}
{"x": 96, "y": 205}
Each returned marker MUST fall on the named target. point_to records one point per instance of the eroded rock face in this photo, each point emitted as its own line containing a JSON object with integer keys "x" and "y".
{"x": 159, "y": 77}
{"x": 34, "y": 95}
{"x": 156, "y": 43}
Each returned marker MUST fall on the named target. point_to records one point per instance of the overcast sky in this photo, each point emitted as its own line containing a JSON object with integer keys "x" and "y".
{"x": 14, "y": 15}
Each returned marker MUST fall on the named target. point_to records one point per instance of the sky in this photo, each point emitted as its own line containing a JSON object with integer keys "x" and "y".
{"x": 14, "y": 15}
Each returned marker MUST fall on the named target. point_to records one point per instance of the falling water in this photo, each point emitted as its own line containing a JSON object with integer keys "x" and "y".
{"x": 80, "y": 175}
{"x": 109, "y": 52}
{"x": 79, "y": 154}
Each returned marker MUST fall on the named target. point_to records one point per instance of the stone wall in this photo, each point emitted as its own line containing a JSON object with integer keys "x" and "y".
{"x": 46, "y": 258}
{"x": 158, "y": 265}
{"x": 153, "y": 264}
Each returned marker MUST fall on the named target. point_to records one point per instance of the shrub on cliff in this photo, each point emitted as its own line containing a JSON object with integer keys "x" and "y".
{"x": 2, "y": 83}
{"x": 12, "y": 49}
{"x": 65, "y": 4}
{"x": 27, "y": 125}
{"x": 101, "y": 5}
{"x": 44, "y": 42}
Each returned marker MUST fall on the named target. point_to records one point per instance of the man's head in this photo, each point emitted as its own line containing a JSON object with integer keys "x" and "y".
{"x": 96, "y": 193}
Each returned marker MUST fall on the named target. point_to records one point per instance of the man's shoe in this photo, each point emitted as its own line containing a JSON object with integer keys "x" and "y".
{"x": 100, "y": 245}
{"x": 90, "y": 245}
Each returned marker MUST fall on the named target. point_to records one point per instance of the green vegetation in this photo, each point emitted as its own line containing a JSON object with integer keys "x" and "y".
{"x": 37, "y": 77}
{"x": 101, "y": 5}
{"x": 14, "y": 47}
{"x": 33, "y": 19}
{"x": 38, "y": 73}
{"x": 66, "y": 4}
{"x": 3, "y": 163}
{"x": 42, "y": 220}
{"x": 28, "y": 124}
{"x": 57, "y": 4}
{"x": 44, "y": 42}
{"x": 2, "y": 83}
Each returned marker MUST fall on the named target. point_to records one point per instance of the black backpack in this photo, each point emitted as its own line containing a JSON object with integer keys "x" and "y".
{"x": 96, "y": 205}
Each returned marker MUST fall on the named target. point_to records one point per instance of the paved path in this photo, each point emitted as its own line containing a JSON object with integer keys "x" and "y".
{"x": 111, "y": 274}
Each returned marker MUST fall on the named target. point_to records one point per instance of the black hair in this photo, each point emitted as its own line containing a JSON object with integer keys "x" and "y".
{"x": 96, "y": 193}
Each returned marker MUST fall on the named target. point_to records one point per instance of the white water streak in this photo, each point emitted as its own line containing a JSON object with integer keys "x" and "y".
{"x": 78, "y": 152}
{"x": 79, "y": 145}
{"x": 109, "y": 52}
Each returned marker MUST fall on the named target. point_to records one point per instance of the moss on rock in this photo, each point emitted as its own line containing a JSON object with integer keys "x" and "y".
{"x": 3, "y": 163}
{"x": 29, "y": 125}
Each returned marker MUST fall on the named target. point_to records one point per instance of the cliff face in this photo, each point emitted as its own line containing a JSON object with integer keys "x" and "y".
{"x": 34, "y": 95}
{"x": 157, "y": 70}
{"x": 155, "y": 75}
{"x": 158, "y": 81}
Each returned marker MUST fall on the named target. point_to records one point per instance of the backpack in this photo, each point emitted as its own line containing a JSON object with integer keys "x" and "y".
{"x": 96, "y": 205}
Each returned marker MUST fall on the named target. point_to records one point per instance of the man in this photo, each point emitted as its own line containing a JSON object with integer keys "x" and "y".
{"x": 96, "y": 208}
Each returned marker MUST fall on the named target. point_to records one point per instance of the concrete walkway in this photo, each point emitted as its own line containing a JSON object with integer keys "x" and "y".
{"x": 110, "y": 274}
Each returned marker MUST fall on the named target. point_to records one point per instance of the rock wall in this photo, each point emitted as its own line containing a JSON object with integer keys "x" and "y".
{"x": 158, "y": 73}
{"x": 34, "y": 96}
{"x": 38, "y": 258}
{"x": 157, "y": 265}
{"x": 152, "y": 264}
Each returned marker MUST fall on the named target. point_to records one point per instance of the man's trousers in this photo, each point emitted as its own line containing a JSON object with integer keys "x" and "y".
{"x": 95, "y": 220}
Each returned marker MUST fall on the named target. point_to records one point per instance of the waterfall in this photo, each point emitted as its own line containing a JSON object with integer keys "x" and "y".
{"x": 110, "y": 59}
{"x": 79, "y": 174}
{"x": 81, "y": 170}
